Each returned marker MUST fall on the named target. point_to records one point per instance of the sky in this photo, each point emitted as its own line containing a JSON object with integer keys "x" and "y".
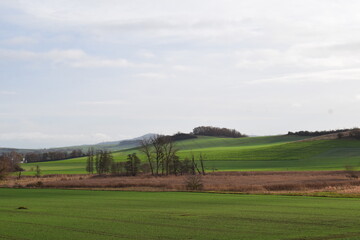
{"x": 87, "y": 71}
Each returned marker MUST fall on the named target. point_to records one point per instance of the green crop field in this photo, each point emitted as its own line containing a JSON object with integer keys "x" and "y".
{"x": 245, "y": 154}
{"x": 78, "y": 214}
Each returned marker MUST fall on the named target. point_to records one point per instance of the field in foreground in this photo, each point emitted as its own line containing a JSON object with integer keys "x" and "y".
{"x": 272, "y": 153}
{"x": 78, "y": 214}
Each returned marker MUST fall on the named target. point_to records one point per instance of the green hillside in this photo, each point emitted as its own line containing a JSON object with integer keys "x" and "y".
{"x": 246, "y": 154}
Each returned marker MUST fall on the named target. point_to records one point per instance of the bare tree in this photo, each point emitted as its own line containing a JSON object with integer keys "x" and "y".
{"x": 157, "y": 142}
{"x": 97, "y": 161}
{"x": 162, "y": 150}
{"x": 9, "y": 162}
{"x": 117, "y": 168}
{"x": 19, "y": 170}
{"x": 186, "y": 166}
{"x": 170, "y": 151}
{"x": 103, "y": 161}
{"x": 201, "y": 158}
{"x": 4, "y": 167}
{"x": 146, "y": 147}
{"x": 90, "y": 161}
{"x": 132, "y": 165}
{"x": 194, "y": 165}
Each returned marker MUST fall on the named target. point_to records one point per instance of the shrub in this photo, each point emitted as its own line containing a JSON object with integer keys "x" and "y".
{"x": 38, "y": 184}
{"x": 194, "y": 182}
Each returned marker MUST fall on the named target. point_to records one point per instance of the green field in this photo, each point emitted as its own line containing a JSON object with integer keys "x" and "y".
{"x": 246, "y": 154}
{"x": 78, "y": 214}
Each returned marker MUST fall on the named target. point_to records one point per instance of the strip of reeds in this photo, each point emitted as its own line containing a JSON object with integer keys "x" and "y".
{"x": 247, "y": 182}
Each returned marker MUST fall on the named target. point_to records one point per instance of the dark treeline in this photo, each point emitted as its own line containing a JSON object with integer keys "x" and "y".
{"x": 52, "y": 155}
{"x": 182, "y": 136}
{"x": 317, "y": 133}
{"x": 217, "y": 132}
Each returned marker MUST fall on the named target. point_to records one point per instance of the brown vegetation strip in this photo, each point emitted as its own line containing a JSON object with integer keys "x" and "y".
{"x": 246, "y": 182}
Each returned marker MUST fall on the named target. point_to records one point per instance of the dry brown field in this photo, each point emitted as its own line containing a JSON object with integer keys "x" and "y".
{"x": 244, "y": 182}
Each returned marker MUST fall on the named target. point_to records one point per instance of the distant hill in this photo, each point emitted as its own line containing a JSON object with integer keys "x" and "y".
{"x": 110, "y": 146}
{"x": 8, "y": 150}
{"x": 125, "y": 142}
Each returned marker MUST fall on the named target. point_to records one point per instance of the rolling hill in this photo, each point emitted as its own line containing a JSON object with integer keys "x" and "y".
{"x": 244, "y": 154}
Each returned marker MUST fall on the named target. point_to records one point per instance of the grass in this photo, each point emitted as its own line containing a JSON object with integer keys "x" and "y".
{"x": 274, "y": 153}
{"x": 77, "y": 214}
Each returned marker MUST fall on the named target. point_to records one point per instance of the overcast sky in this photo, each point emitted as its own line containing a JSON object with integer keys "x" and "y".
{"x": 76, "y": 72}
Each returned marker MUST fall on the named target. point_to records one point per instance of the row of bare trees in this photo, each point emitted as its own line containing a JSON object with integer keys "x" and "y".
{"x": 161, "y": 154}
{"x": 102, "y": 162}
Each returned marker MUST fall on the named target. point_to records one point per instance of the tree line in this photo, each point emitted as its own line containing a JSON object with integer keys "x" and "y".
{"x": 217, "y": 132}
{"x": 160, "y": 155}
{"x": 52, "y": 155}
{"x": 318, "y": 133}
{"x": 102, "y": 162}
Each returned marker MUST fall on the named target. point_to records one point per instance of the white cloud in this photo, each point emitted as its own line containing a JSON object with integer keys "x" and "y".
{"x": 296, "y": 105}
{"x": 209, "y": 20}
{"x": 234, "y": 62}
{"x": 20, "y": 40}
{"x": 146, "y": 54}
{"x": 71, "y": 57}
{"x": 152, "y": 75}
{"x": 321, "y": 76}
{"x": 39, "y": 136}
{"x": 101, "y": 137}
{"x": 7, "y": 92}
{"x": 94, "y": 62}
{"x": 101, "y": 103}
{"x": 182, "y": 68}
{"x": 52, "y": 138}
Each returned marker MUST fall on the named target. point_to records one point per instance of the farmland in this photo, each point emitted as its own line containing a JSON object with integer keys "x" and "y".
{"x": 273, "y": 153}
{"x": 75, "y": 214}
